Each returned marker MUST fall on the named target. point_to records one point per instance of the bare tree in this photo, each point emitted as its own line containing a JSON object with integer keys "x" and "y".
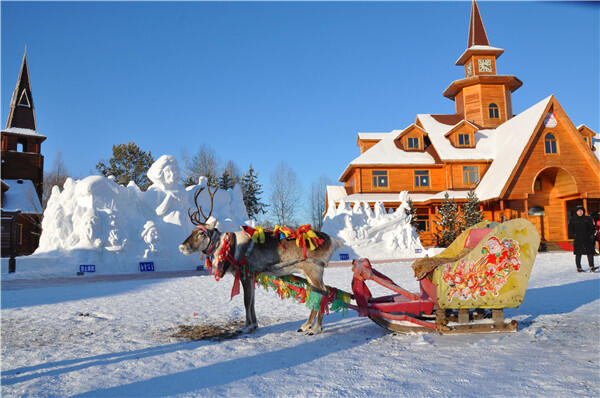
{"x": 203, "y": 163}
{"x": 318, "y": 198}
{"x": 285, "y": 194}
{"x": 57, "y": 175}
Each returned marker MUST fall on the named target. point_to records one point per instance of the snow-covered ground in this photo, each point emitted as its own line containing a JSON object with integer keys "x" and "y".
{"x": 111, "y": 338}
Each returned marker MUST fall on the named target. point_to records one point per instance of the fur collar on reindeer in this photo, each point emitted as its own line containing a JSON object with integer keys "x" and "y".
{"x": 270, "y": 256}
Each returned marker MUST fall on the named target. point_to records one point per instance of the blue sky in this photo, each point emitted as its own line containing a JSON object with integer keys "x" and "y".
{"x": 266, "y": 82}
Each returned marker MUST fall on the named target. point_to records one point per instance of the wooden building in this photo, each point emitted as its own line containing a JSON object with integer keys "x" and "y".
{"x": 22, "y": 172}
{"x": 536, "y": 165}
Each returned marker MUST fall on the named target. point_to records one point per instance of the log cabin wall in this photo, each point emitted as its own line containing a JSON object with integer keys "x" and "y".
{"x": 568, "y": 157}
{"x": 493, "y": 93}
{"x": 472, "y": 104}
{"x": 402, "y": 179}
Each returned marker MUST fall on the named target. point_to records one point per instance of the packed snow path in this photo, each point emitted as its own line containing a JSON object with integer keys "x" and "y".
{"x": 111, "y": 339}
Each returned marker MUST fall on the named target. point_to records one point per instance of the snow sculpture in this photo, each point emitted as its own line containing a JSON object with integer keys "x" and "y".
{"x": 374, "y": 234}
{"x": 150, "y": 236}
{"x": 97, "y": 221}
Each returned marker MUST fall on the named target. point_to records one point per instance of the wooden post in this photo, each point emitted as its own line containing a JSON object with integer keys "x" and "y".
{"x": 463, "y": 316}
{"x": 498, "y": 317}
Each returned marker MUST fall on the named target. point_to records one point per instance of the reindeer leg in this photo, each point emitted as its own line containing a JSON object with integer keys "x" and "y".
{"x": 251, "y": 324}
{"x": 314, "y": 274}
{"x": 306, "y": 326}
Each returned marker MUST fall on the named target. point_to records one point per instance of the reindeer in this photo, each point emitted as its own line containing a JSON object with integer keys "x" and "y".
{"x": 273, "y": 257}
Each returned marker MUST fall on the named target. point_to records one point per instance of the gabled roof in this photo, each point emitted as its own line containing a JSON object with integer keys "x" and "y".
{"x": 21, "y": 195}
{"x": 485, "y": 141}
{"x": 514, "y": 134}
{"x": 385, "y": 152}
{"x": 409, "y": 129}
{"x": 460, "y": 125}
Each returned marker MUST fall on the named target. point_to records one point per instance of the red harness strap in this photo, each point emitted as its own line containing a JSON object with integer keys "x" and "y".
{"x": 240, "y": 266}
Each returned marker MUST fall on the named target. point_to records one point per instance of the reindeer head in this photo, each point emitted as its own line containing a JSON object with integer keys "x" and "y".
{"x": 205, "y": 236}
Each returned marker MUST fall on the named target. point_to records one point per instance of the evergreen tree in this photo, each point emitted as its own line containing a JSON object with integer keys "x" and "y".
{"x": 226, "y": 182}
{"x": 251, "y": 190}
{"x": 412, "y": 212}
{"x": 129, "y": 163}
{"x": 448, "y": 221}
{"x": 471, "y": 214}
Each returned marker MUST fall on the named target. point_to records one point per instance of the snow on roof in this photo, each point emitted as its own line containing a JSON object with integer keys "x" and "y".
{"x": 395, "y": 197}
{"x": 19, "y": 130}
{"x": 485, "y": 142}
{"x": 515, "y": 134}
{"x": 336, "y": 192}
{"x": 385, "y": 152}
{"x": 479, "y": 47}
{"x": 371, "y": 136}
{"x": 21, "y": 196}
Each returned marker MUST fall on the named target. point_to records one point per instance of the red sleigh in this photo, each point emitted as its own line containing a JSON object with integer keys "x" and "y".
{"x": 488, "y": 270}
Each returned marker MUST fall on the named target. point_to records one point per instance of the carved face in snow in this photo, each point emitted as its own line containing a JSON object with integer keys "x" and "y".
{"x": 150, "y": 234}
{"x": 165, "y": 172}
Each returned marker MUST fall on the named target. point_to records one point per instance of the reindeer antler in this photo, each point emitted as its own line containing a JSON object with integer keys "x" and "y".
{"x": 195, "y": 216}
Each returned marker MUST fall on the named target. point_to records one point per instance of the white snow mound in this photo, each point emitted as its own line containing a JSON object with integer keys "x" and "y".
{"x": 376, "y": 234}
{"x": 97, "y": 221}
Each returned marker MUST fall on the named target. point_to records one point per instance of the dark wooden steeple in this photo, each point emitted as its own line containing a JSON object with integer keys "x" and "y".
{"x": 22, "y": 113}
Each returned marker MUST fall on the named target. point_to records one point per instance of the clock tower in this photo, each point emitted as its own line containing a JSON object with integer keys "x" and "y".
{"x": 482, "y": 97}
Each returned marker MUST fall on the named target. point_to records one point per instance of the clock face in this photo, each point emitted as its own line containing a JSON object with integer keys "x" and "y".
{"x": 469, "y": 69}
{"x": 485, "y": 65}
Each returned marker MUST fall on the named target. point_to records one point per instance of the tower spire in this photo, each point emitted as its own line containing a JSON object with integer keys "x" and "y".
{"x": 477, "y": 35}
{"x": 21, "y": 105}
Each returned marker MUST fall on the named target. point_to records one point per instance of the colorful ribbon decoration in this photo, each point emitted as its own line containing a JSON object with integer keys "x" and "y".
{"x": 305, "y": 234}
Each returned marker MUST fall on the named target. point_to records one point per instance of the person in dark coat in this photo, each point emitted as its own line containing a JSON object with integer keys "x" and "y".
{"x": 583, "y": 230}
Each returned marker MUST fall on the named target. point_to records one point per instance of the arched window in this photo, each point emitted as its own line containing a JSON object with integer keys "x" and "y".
{"x": 494, "y": 111}
{"x": 550, "y": 142}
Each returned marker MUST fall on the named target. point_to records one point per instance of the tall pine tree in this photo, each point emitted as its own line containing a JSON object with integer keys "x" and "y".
{"x": 448, "y": 221}
{"x": 251, "y": 190}
{"x": 226, "y": 181}
{"x": 471, "y": 214}
{"x": 129, "y": 163}
{"x": 412, "y": 212}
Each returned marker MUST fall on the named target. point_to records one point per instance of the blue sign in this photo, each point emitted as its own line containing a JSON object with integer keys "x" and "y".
{"x": 344, "y": 256}
{"x": 147, "y": 266}
{"x": 418, "y": 250}
{"x": 87, "y": 268}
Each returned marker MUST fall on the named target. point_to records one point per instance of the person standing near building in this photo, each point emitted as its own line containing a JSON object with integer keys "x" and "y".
{"x": 596, "y": 218}
{"x": 583, "y": 230}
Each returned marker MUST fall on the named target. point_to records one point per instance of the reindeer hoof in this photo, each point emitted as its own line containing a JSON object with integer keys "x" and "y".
{"x": 249, "y": 328}
{"x": 313, "y": 331}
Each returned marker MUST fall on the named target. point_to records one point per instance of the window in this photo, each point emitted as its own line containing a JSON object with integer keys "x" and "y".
{"x": 586, "y": 140}
{"x": 463, "y": 140}
{"x": 494, "y": 111}
{"x": 20, "y": 147}
{"x": 470, "y": 175}
{"x": 421, "y": 178}
{"x": 413, "y": 142}
{"x": 422, "y": 223}
{"x": 24, "y": 100}
{"x": 550, "y": 142}
{"x": 380, "y": 179}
